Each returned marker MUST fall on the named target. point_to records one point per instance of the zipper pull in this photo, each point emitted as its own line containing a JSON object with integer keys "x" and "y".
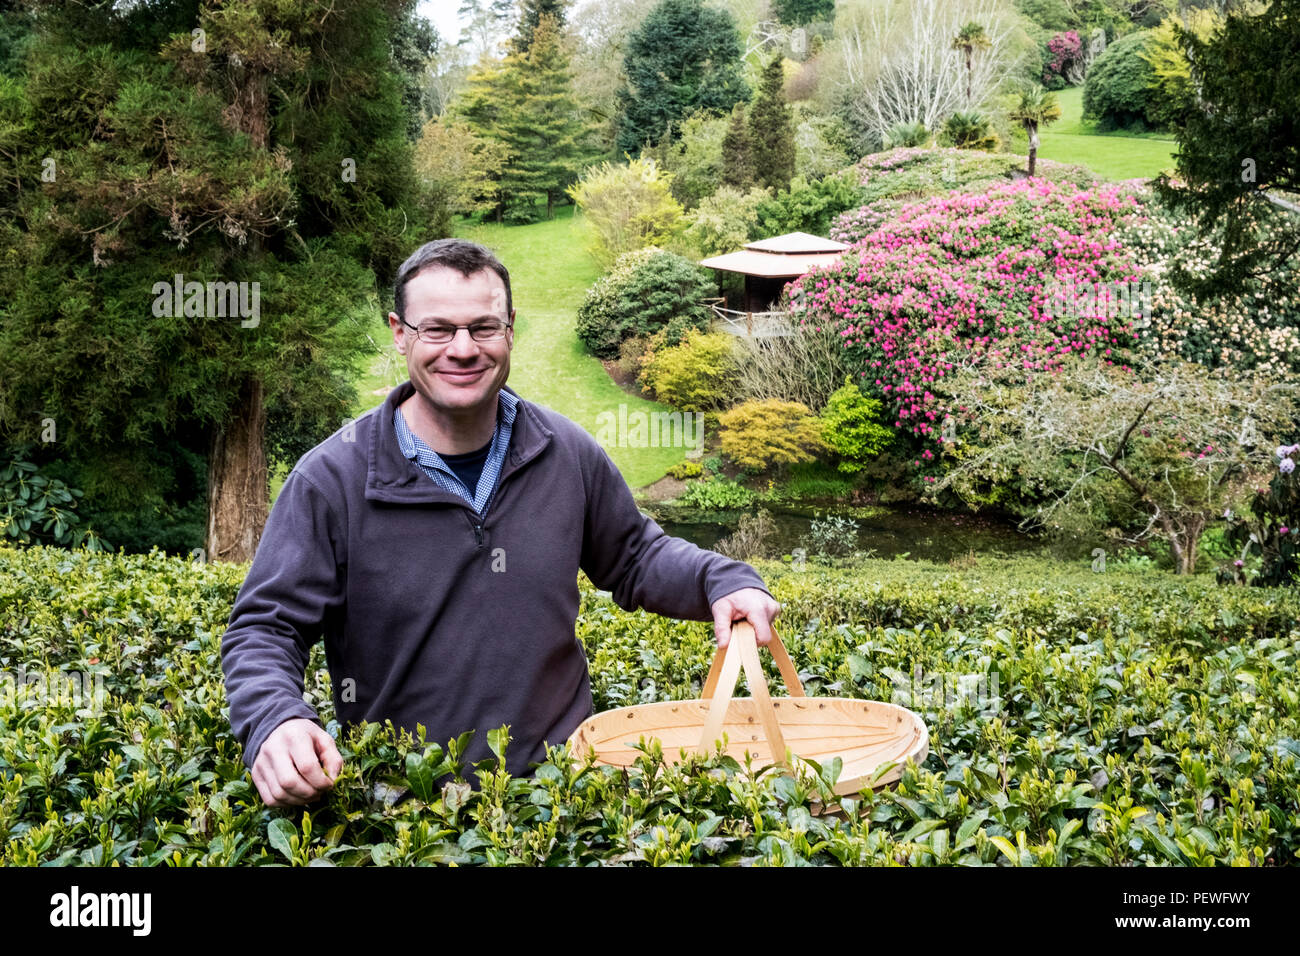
{"x": 478, "y": 534}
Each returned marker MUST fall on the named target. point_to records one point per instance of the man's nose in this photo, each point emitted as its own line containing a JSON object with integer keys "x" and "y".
{"x": 462, "y": 346}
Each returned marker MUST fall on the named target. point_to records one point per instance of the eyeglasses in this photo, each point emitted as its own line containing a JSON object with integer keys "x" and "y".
{"x": 439, "y": 333}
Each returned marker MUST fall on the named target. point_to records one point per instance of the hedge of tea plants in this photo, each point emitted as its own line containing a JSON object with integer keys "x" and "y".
{"x": 1075, "y": 718}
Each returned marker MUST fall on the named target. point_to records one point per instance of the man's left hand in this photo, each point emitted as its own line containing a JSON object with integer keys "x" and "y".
{"x": 747, "y": 604}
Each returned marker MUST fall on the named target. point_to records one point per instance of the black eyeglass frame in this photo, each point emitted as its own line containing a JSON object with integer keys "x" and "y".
{"x": 500, "y": 327}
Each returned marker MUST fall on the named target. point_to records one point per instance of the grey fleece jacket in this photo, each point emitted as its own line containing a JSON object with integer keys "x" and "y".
{"x": 432, "y": 615}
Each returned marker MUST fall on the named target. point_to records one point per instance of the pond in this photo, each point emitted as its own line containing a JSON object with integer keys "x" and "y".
{"x": 883, "y": 532}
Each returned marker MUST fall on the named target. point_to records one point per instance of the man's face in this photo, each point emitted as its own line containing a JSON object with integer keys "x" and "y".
{"x": 463, "y": 374}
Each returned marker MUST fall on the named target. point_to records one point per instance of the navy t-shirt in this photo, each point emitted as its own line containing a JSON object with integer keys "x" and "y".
{"x": 469, "y": 466}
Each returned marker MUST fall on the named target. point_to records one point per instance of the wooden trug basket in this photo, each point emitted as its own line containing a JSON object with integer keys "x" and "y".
{"x": 864, "y": 734}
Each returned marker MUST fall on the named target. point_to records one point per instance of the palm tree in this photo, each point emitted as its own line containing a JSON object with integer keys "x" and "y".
{"x": 970, "y": 38}
{"x": 1036, "y": 106}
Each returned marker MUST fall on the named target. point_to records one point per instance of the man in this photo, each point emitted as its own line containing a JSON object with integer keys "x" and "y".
{"x": 435, "y": 544}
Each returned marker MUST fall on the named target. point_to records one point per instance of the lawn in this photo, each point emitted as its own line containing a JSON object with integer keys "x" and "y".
{"x": 1113, "y": 156}
{"x": 550, "y": 273}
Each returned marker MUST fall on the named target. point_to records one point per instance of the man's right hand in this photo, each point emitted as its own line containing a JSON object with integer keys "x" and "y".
{"x": 296, "y": 764}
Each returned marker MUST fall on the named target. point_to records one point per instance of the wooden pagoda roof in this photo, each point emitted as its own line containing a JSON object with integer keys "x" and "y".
{"x": 780, "y": 257}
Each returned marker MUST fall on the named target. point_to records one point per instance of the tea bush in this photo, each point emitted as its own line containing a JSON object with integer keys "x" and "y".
{"x": 1075, "y": 718}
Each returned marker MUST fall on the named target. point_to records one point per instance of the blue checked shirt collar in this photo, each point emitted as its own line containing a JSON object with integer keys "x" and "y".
{"x": 431, "y": 462}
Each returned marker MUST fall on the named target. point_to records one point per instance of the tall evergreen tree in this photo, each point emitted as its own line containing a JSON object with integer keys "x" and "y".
{"x": 797, "y": 13}
{"x": 1239, "y": 149}
{"x": 526, "y": 103}
{"x": 685, "y": 56}
{"x": 226, "y": 143}
{"x": 771, "y": 130}
{"x": 531, "y": 13}
{"x": 738, "y": 153}
{"x": 543, "y": 127}
{"x": 414, "y": 42}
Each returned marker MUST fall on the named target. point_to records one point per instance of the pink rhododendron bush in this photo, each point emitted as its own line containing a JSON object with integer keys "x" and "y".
{"x": 975, "y": 278}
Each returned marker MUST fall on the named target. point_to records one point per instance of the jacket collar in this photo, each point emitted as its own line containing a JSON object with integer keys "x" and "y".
{"x": 394, "y": 478}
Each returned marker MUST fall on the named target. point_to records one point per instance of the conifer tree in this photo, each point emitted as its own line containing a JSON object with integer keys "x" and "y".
{"x": 226, "y": 144}
{"x": 771, "y": 130}
{"x": 530, "y": 16}
{"x": 543, "y": 125}
{"x": 685, "y": 56}
{"x": 738, "y": 153}
{"x": 526, "y": 103}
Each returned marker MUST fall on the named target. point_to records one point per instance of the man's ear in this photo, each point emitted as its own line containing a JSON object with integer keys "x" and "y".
{"x": 399, "y": 332}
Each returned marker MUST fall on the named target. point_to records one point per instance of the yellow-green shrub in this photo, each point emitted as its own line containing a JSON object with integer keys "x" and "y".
{"x": 694, "y": 375}
{"x": 758, "y": 435}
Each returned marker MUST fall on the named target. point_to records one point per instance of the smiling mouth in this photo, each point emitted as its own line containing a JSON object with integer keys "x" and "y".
{"x": 465, "y": 374}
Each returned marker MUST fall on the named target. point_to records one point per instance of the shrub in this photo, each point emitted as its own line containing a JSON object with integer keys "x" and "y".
{"x": 1137, "y": 681}
{"x": 725, "y": 221}
{"x": 1174, "y": 95}
{"x": 715, "y": 494}
{"x": 1121, "y": 89}
{"x": 643, "y": 293}
{"x": 965, "y": 278}
{"x": 834, "y": 536}
{"x": 450, "y": 156}
{"x": 757, "y": 435}
{"x": 805, "y": 367}
{"x": 694, "y": 158}
{"x": 1065, "y": 60}
{"x": 695, "y": 375}
{"x": 808, "y": 207}
{"x": 907, "y": 135}
{"x": 686, "y": 469}
{"x": 1271, "y": 527}
{"x": 968, "y": 129}
{"x": 821, "y": 144}
{"x": 851, "y": 427}
{"x": 1255, "y": 330}
{"x": 37, "y": 509}
{"x": 751, "y": 538}
{"x": 626, "y": 207}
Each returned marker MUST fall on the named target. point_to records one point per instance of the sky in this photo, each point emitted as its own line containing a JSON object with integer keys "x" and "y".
{"x": 443, "y": 15}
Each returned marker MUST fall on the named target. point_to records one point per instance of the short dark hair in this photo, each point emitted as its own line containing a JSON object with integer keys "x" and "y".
{"x": 462, "y": 255}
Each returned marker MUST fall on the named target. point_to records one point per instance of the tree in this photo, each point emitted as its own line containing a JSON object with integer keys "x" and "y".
{"x": 1162, "y": 451}
{"x": 412, "y": 44}
{"x": 1037, "y": 107}
{"x": 530, "y": 17}
{"x": 239, "y": 158}
{"x": 797, "y": 13}
{"x": 626, "y": 207}
{"x": 771, "y": 130}
{"x": 1239, "y": 147}
{"x": 899, "y": 64}
{"x": 685, "y": 56}
{"x": 526, "y": 104}
{"x": 738, "y": 168}
{"x": 695, "y": 157}
{"x": 970, "y": 38}
{"x": 460, "y": 165}
{"x": 483, "y": 23}
{"x": 542, "y": 126}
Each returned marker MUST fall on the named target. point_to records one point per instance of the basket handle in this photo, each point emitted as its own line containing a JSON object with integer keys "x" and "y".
{"x": 742, "y": 649}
